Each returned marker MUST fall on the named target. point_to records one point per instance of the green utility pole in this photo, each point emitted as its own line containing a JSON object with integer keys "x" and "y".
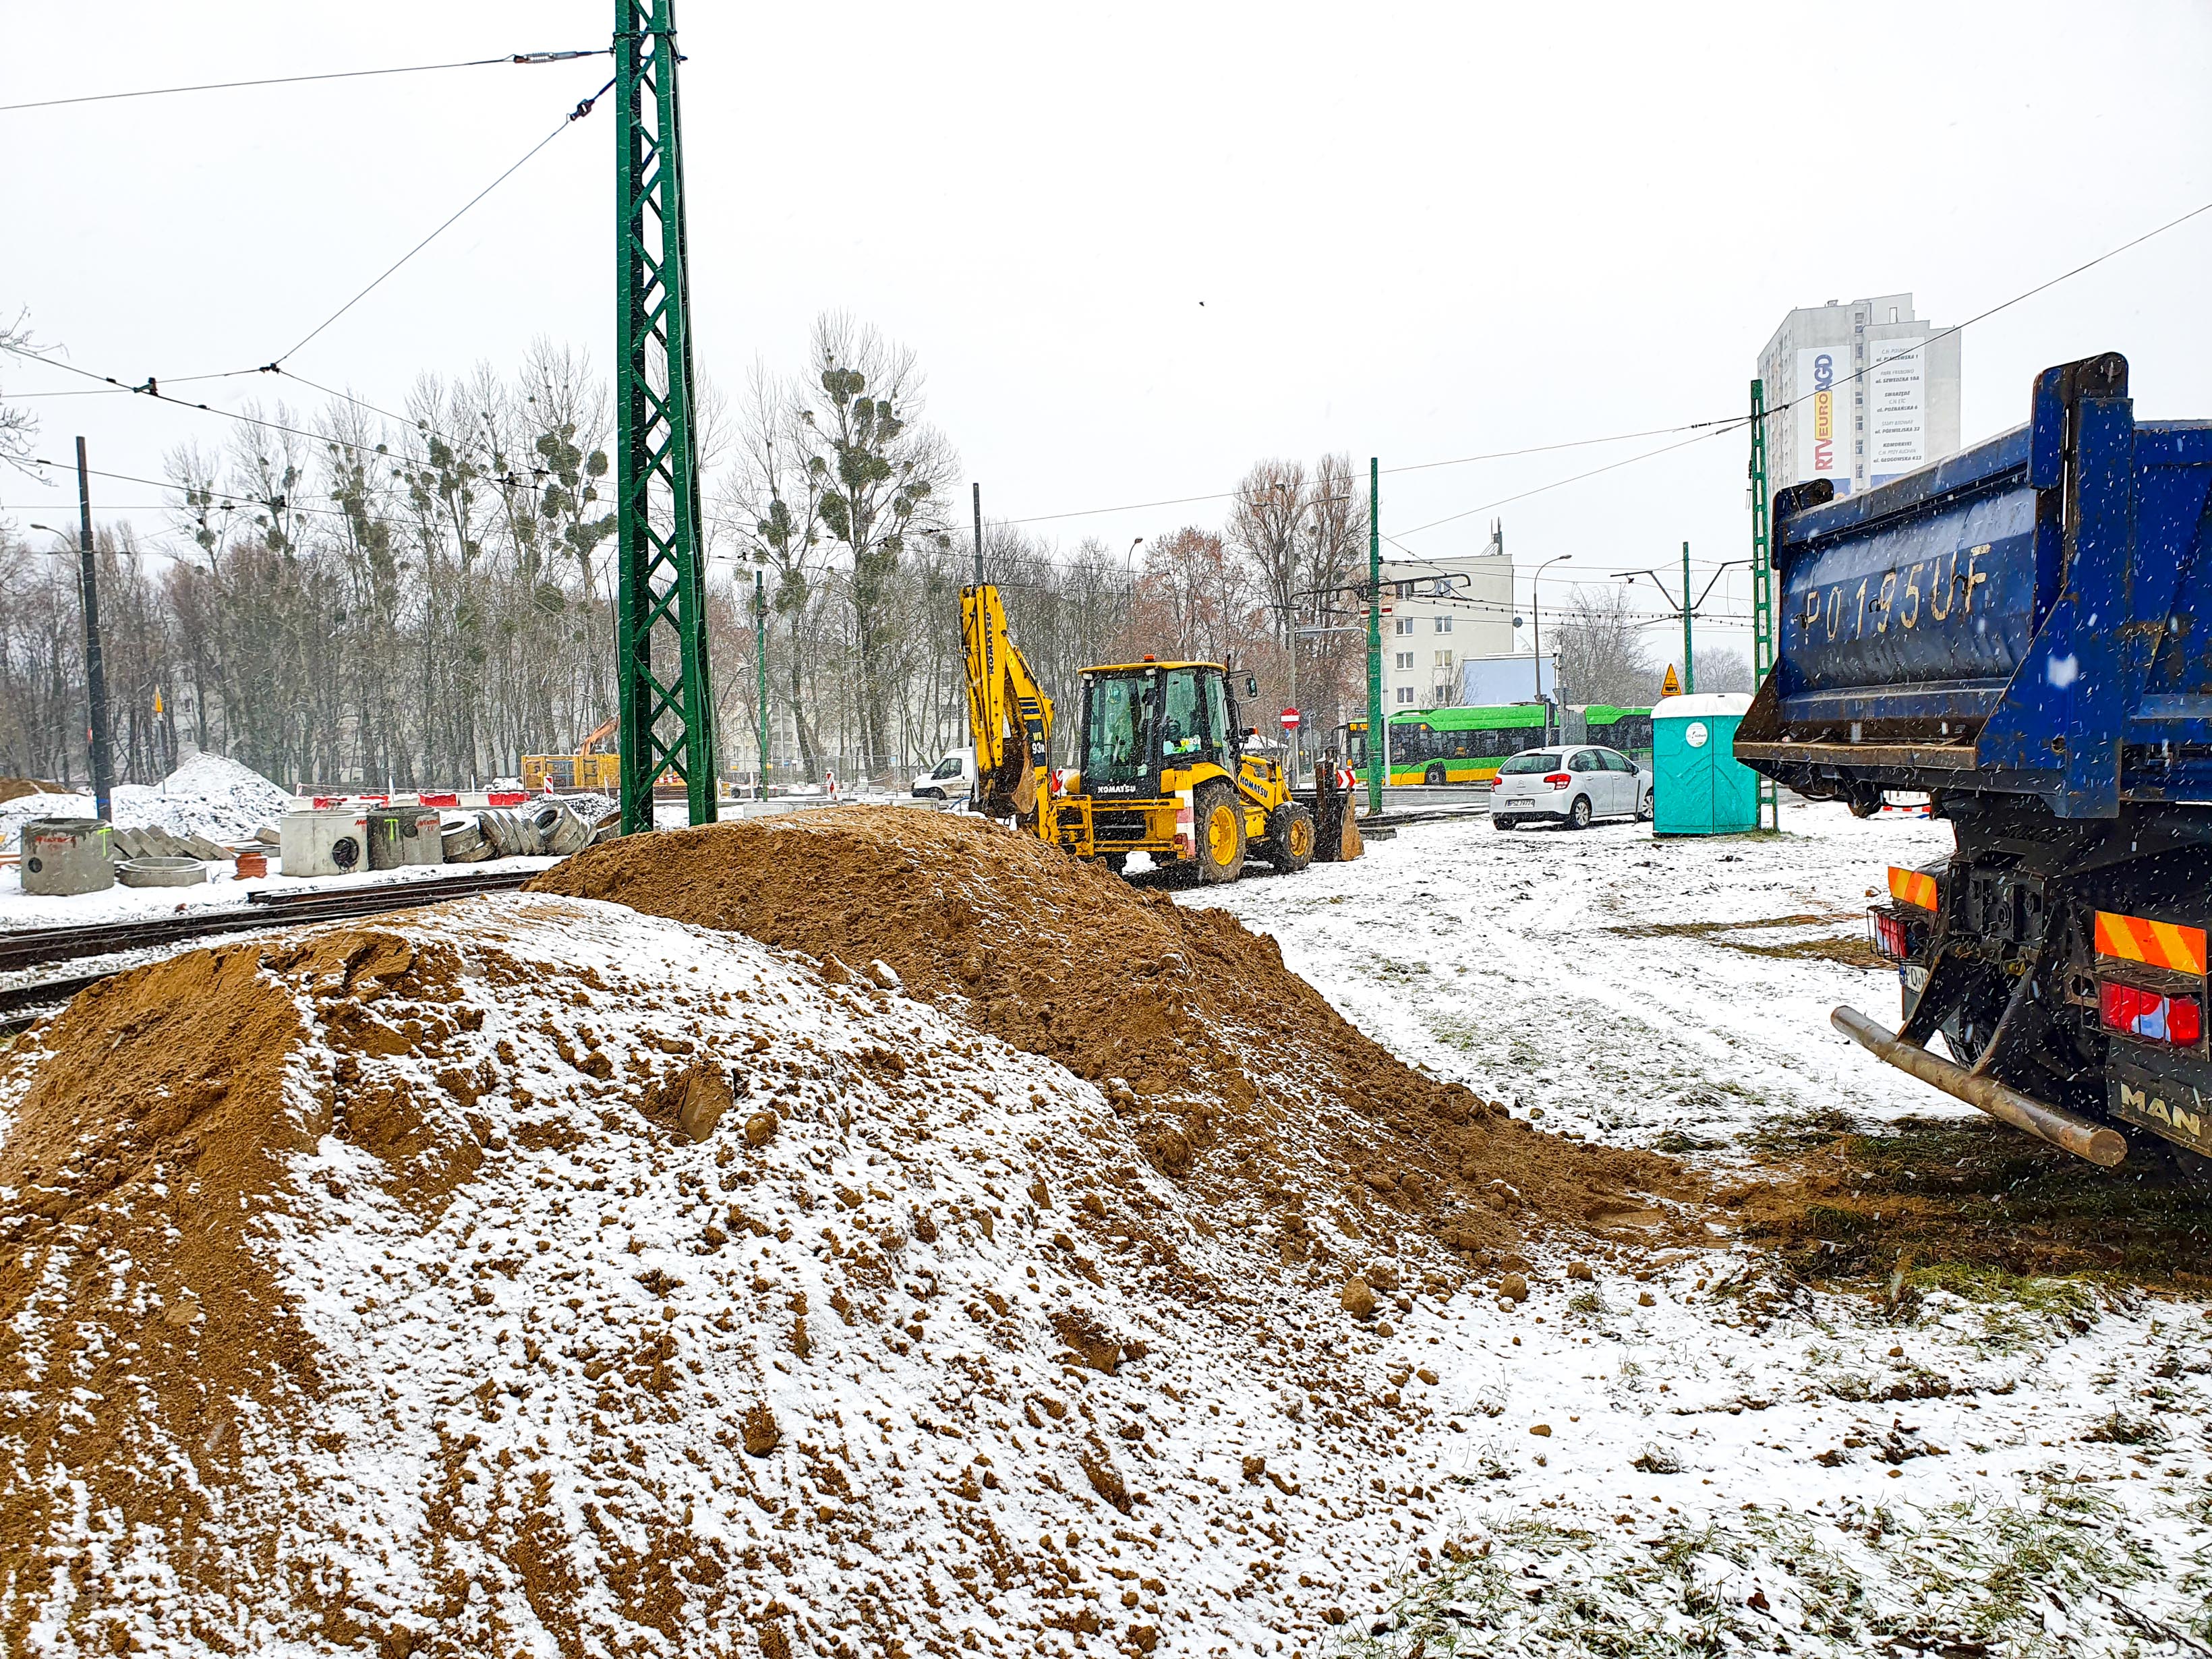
{"x": 664, "y": 711}
{"x": 1378, "y": 721}
{"x": 1689, "y": 663}
{"x": 760, "y": 662}
{"x": 1762, "y": 585}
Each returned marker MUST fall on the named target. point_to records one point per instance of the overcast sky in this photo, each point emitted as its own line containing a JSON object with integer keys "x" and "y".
{"x": 1138, "y": 247}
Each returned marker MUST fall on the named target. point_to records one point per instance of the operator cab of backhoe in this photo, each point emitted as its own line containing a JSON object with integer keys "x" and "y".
{"x": 1161, "y": 769}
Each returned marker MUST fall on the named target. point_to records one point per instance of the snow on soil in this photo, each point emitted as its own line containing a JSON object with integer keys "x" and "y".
{"x": 208, "y": 795}
{"x": 538, "y": 1392}
{"x": 1671, "y": 992}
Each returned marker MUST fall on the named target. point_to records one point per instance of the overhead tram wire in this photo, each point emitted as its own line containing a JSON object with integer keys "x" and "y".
{"x": 296, "y": 79}
{"x": 570, "y": 119}
{"x": 152, "y": 386}
{"x": 1714, "y": 428}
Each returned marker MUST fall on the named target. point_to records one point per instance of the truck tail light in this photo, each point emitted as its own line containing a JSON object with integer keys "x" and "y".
{"x": 1558, "y": 779}
{"x": 2177, "y": 1020}
{"x": 1889, "y": 937}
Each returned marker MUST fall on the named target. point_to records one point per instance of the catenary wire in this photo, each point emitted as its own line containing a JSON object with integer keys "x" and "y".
{"x": 296, "y": 79}
{"x": 566, "y": 121}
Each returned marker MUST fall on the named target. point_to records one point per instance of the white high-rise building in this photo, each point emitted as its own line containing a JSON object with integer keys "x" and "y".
{"x": 1865, "y": 393}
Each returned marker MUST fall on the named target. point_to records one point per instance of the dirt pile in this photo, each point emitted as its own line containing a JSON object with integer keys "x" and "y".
{"x": 533, "y": 1275}
{"x": 1235, "y": 1076}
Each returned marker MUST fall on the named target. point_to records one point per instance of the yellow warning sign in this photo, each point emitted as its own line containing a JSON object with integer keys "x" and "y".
{"x": 1670, "y": 687}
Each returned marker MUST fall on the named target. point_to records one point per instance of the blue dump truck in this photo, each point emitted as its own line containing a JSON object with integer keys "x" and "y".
{"x": 2024, "y": 632}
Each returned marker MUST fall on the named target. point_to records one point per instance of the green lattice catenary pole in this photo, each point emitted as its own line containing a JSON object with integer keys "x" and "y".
{"x": 1762, "y": 585}
{"x": 1378, "y": 720}
{"x": 666, "y": 711}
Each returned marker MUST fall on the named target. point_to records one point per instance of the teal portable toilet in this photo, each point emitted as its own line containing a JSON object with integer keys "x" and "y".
{"x": 1698, "y": 786}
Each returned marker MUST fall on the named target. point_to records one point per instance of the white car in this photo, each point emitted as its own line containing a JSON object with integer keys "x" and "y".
{"x": 953, "y": 775}
{"x": 1570, "y": 784}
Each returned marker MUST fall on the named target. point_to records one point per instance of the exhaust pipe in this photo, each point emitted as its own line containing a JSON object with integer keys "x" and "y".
{"x": 2068, "y": 1131}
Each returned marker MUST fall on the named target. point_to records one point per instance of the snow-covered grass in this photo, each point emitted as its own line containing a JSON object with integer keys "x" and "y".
{"x": 1668, "y": 993}
{"x": 1748, "y": 1462}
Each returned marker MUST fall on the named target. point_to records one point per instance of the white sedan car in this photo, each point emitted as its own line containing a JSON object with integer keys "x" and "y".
{"x": 1569, "y": 784}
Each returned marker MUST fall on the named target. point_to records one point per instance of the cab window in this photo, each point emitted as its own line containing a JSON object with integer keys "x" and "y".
{"x": 1183, "y": 736}
{"x": 1217, "y": 724}
{"x": 1118, "y": 730}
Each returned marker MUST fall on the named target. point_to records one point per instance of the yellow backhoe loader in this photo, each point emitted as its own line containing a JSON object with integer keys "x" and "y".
{"x": 1160, "y": 766}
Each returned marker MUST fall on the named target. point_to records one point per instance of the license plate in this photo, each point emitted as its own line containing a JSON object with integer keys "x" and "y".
{"x": 1916, "y": 978}
{"x": 2178, "y": 1111}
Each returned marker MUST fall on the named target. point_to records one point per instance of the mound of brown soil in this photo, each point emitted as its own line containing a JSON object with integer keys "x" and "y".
{"x": 1234, "y": 1074}
{"x": 16, "y": 788}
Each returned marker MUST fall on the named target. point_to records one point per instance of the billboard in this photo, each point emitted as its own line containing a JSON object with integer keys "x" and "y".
{"x": 1823, "y": 405}
{"x": 1485, "y": 680}
{"x": 1897, "y": 407}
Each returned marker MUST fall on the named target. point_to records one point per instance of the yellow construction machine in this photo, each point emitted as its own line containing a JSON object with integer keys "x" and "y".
{"x": 583, "y": 770}
{"x": 1160, "y": 766}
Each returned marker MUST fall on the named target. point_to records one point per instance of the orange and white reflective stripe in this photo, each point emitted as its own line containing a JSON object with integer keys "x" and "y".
{"x": 1911, "y": 887}
{"x": 2159, "y": 944}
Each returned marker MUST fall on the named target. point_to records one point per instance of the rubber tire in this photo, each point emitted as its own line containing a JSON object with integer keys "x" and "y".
{"x": 1436, "y": 773}
{"x": 1215, "y": 802}
{"x": 1645, "y": 811}
{"x": 1578, "y": 815}
{"x": 1117, "y": 862}
{"x": 1497, "y": 823}
{"x": 1289, "y": 827}
{"x": 929, "y": 794}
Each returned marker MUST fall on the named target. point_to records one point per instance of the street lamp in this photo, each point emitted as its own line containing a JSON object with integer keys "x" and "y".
{"x": 1536, "y": 642}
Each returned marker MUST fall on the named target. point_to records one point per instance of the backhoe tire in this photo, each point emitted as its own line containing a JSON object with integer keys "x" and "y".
{"x": 1117, "y": 862}
{"x": 1217, "y": 825}
{"x": 1291, "y": 838}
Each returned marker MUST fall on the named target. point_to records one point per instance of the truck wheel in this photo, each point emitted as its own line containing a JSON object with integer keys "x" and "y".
{"x": 1219, "y": 825}
{"x": 1436, "y": 773}
{"x": 1289, "y": 838}
{"x": 1578, "y": 815}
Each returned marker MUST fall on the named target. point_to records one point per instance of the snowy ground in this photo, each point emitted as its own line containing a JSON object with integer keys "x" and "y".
{"x": 2021, "y": 1467}
{"x": 19, "y": 909}
{"x": 1683, "y": 1452}
{"x": 1667, "y": 992}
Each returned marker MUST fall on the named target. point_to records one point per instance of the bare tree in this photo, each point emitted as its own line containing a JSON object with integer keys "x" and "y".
{"x": 1603, "y": 657}
{"x": 883, "y": 477}
{"x": 1721, "y": 668}
{"x": 16, "y": 425}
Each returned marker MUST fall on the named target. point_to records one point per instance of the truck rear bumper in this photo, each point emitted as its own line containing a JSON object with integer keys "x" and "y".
{"x": 2068, "y": 1131}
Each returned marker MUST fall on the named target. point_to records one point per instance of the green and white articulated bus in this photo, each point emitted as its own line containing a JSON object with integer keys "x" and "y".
{"x": 1465, "y": 746}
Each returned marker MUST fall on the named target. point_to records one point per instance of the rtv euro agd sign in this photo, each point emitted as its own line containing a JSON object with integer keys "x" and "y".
{"x": 1822, "y": 426}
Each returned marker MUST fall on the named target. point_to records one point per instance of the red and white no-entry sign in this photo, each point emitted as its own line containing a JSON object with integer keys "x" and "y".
{"x": 1289, "y": 720}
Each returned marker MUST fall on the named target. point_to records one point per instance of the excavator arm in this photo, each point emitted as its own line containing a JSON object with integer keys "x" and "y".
{"x": 1009, "y": 716}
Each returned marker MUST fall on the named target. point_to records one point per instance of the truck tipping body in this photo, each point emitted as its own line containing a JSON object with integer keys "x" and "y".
{"x": 2024, "y": 632}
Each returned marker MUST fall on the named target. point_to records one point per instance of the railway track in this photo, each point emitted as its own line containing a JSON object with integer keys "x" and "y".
{"x": 40, "y": 947}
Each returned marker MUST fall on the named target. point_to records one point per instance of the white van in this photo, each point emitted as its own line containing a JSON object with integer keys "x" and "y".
{"x": 953, "y": 775}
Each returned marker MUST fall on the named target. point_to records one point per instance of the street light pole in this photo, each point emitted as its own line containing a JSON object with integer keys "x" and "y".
{"x": 1536, "y": 627}
{"x": 95, "y": 670}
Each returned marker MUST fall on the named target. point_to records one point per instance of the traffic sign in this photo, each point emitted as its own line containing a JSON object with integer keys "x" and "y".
{"x": 1670, "y": 687}
{"x": 1289, "y": 720}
